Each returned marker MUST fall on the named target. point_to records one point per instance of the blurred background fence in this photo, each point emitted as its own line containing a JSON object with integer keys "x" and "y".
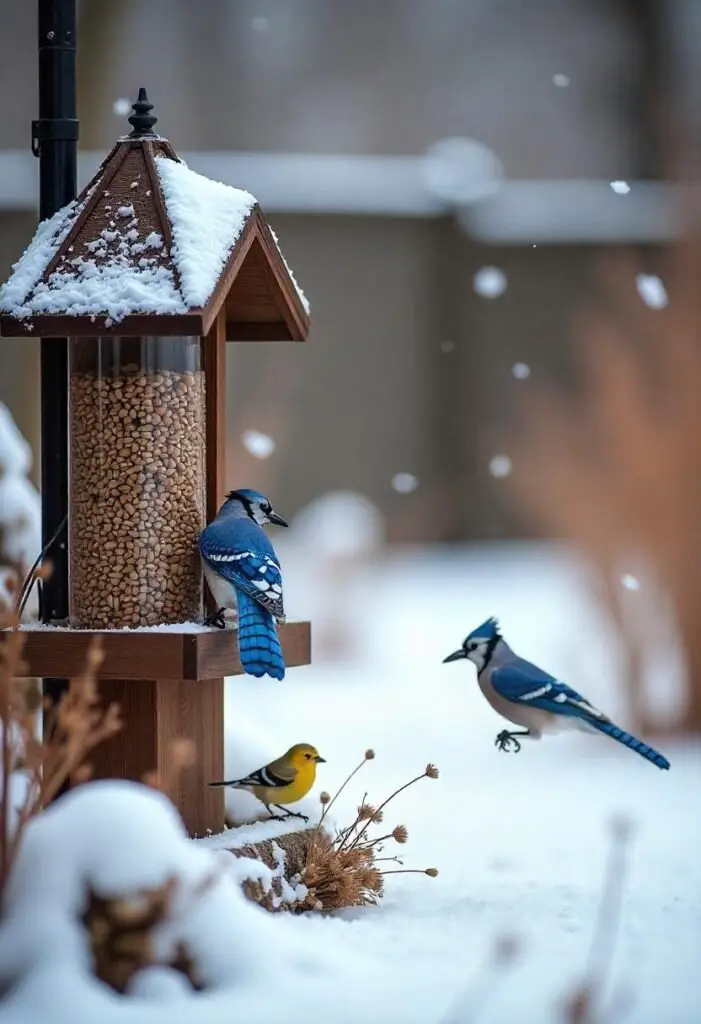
{"x": 367, "y": 130}
{"x": 447, "y": 179}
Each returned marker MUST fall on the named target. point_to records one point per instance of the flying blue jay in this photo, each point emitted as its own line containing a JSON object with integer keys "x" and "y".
{"x": 525, "y": 695}
{"x": 243, "y": 574}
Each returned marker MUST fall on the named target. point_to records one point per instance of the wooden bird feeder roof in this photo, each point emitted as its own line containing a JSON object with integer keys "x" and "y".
{"x": 150, "y": 247}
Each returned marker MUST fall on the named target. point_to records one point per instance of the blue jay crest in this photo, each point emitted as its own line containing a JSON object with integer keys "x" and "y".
{"x": 489, "y": 630}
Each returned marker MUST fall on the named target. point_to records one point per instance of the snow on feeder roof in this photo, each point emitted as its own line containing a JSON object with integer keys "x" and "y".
{"x": 152, "y": 248}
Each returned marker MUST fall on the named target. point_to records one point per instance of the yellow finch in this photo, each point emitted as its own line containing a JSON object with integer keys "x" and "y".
{"x": 284, "y": 781}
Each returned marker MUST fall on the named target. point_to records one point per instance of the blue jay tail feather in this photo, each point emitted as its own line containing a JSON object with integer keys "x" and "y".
{"x": 259, "y": 645}
{"x": 630, "y": 741}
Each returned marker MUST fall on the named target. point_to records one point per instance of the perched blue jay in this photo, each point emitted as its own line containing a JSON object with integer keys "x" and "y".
{"x": 243, "y": 574}
{"x": 524, "y": 694}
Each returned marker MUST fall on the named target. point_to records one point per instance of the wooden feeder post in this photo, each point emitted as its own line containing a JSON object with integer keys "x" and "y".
{"x": 148, "y": 274}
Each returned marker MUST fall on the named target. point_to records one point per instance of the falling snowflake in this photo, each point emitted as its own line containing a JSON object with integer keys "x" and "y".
{"x": 258, "y": 444}
{"x": 651, "y": 290}
{"x": 121, "y": 107}
{"x": 489, "y": 282}
{"x": 405, "y": 483}
{"x": 560, "y": 80}
{"x": 447, "y": 346}
{"x": 500, "y": 465}
{"x": 521, "y": 371}
{"x": 621, "y": 188}
{"x": 630, "y": 582}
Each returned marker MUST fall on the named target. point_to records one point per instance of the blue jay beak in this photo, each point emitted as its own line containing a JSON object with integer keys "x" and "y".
{"x": 455, "y": 656}
{"x": 273, "y": 517}
{"x": 319, "y": 759}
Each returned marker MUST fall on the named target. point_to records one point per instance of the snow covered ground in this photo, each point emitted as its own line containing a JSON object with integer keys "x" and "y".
{"x": 520, "y": 841}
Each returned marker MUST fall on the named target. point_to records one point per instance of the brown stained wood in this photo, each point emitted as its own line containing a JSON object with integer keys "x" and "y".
{"x": 136, "y": 656}
{"x": 230, "y": 272}
{"x": 289, "y": 300}
{"x": 159, "y": 202}
{"x": 266, "y": 287}
{"x": 255, "y": 285}
{"x": 213, "y": 658}
{"x": 274, "y": 330}
{"x": 214, "y": 362}
{"x": 158, "y": 713}
{"x": 106, "y": 172}
{"x": 251, "y": 297}
{"x": 149, "y": 324}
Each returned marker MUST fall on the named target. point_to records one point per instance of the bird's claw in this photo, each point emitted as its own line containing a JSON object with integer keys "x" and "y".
{"x": 216, "y": 619}
{"x": 287, "y": 814}
{"x": 506, "y": 741}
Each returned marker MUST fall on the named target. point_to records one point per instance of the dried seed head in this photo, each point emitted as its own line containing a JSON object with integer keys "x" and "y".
{"x": 324, "y": 797}
{"x": 400, "y": 833}
{"x": 431, "y": 872}
{"x": 366, "y": 812}
{"x": 369, "y": 754}
{"x": 431, "y": 771}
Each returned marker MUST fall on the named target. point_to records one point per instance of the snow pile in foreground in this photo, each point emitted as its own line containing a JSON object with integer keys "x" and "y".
{"x": 521, "y": 840}
{"x": 120, "y": 838}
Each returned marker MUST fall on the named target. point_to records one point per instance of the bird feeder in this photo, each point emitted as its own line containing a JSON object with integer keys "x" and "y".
{"x": 148, "y": 274}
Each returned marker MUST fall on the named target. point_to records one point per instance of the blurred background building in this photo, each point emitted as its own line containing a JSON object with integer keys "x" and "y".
{"x": 439, "y": 174}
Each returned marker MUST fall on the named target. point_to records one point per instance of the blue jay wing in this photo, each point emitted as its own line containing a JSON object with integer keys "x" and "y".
{"x": 251, "y": 568}
{"x": 526, "y": 684}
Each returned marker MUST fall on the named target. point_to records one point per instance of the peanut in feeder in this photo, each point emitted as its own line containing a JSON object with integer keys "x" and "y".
{"x": 148, "y": 274}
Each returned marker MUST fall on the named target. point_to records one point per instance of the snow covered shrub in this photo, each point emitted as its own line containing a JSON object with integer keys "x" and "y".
{"x": 109, "y": 894}
{"x": 123, "y": 932}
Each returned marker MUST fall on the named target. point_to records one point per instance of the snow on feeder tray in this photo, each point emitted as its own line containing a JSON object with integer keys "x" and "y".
{"x": 148, "y": 274}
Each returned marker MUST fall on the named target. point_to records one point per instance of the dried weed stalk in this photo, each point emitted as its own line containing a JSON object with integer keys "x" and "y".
{"x": 72, "y": 729}
{"x": 342, "y": 871}
{"x": 313, "y": 870}
{"x": 618, "y": 472}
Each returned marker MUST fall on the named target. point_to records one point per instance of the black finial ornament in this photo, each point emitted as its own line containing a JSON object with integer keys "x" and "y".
{"x": 142, "y": 121}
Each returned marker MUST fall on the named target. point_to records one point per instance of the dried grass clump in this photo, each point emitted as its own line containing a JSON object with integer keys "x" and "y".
{"x": 33, "y": 771}
{"x": 121, "y": 932}
{"x": 314, "y": 870}
{"x": 618, "y": 472}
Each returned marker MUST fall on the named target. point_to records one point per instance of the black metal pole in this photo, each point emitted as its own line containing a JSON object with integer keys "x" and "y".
{"x": 55, "y": 142}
